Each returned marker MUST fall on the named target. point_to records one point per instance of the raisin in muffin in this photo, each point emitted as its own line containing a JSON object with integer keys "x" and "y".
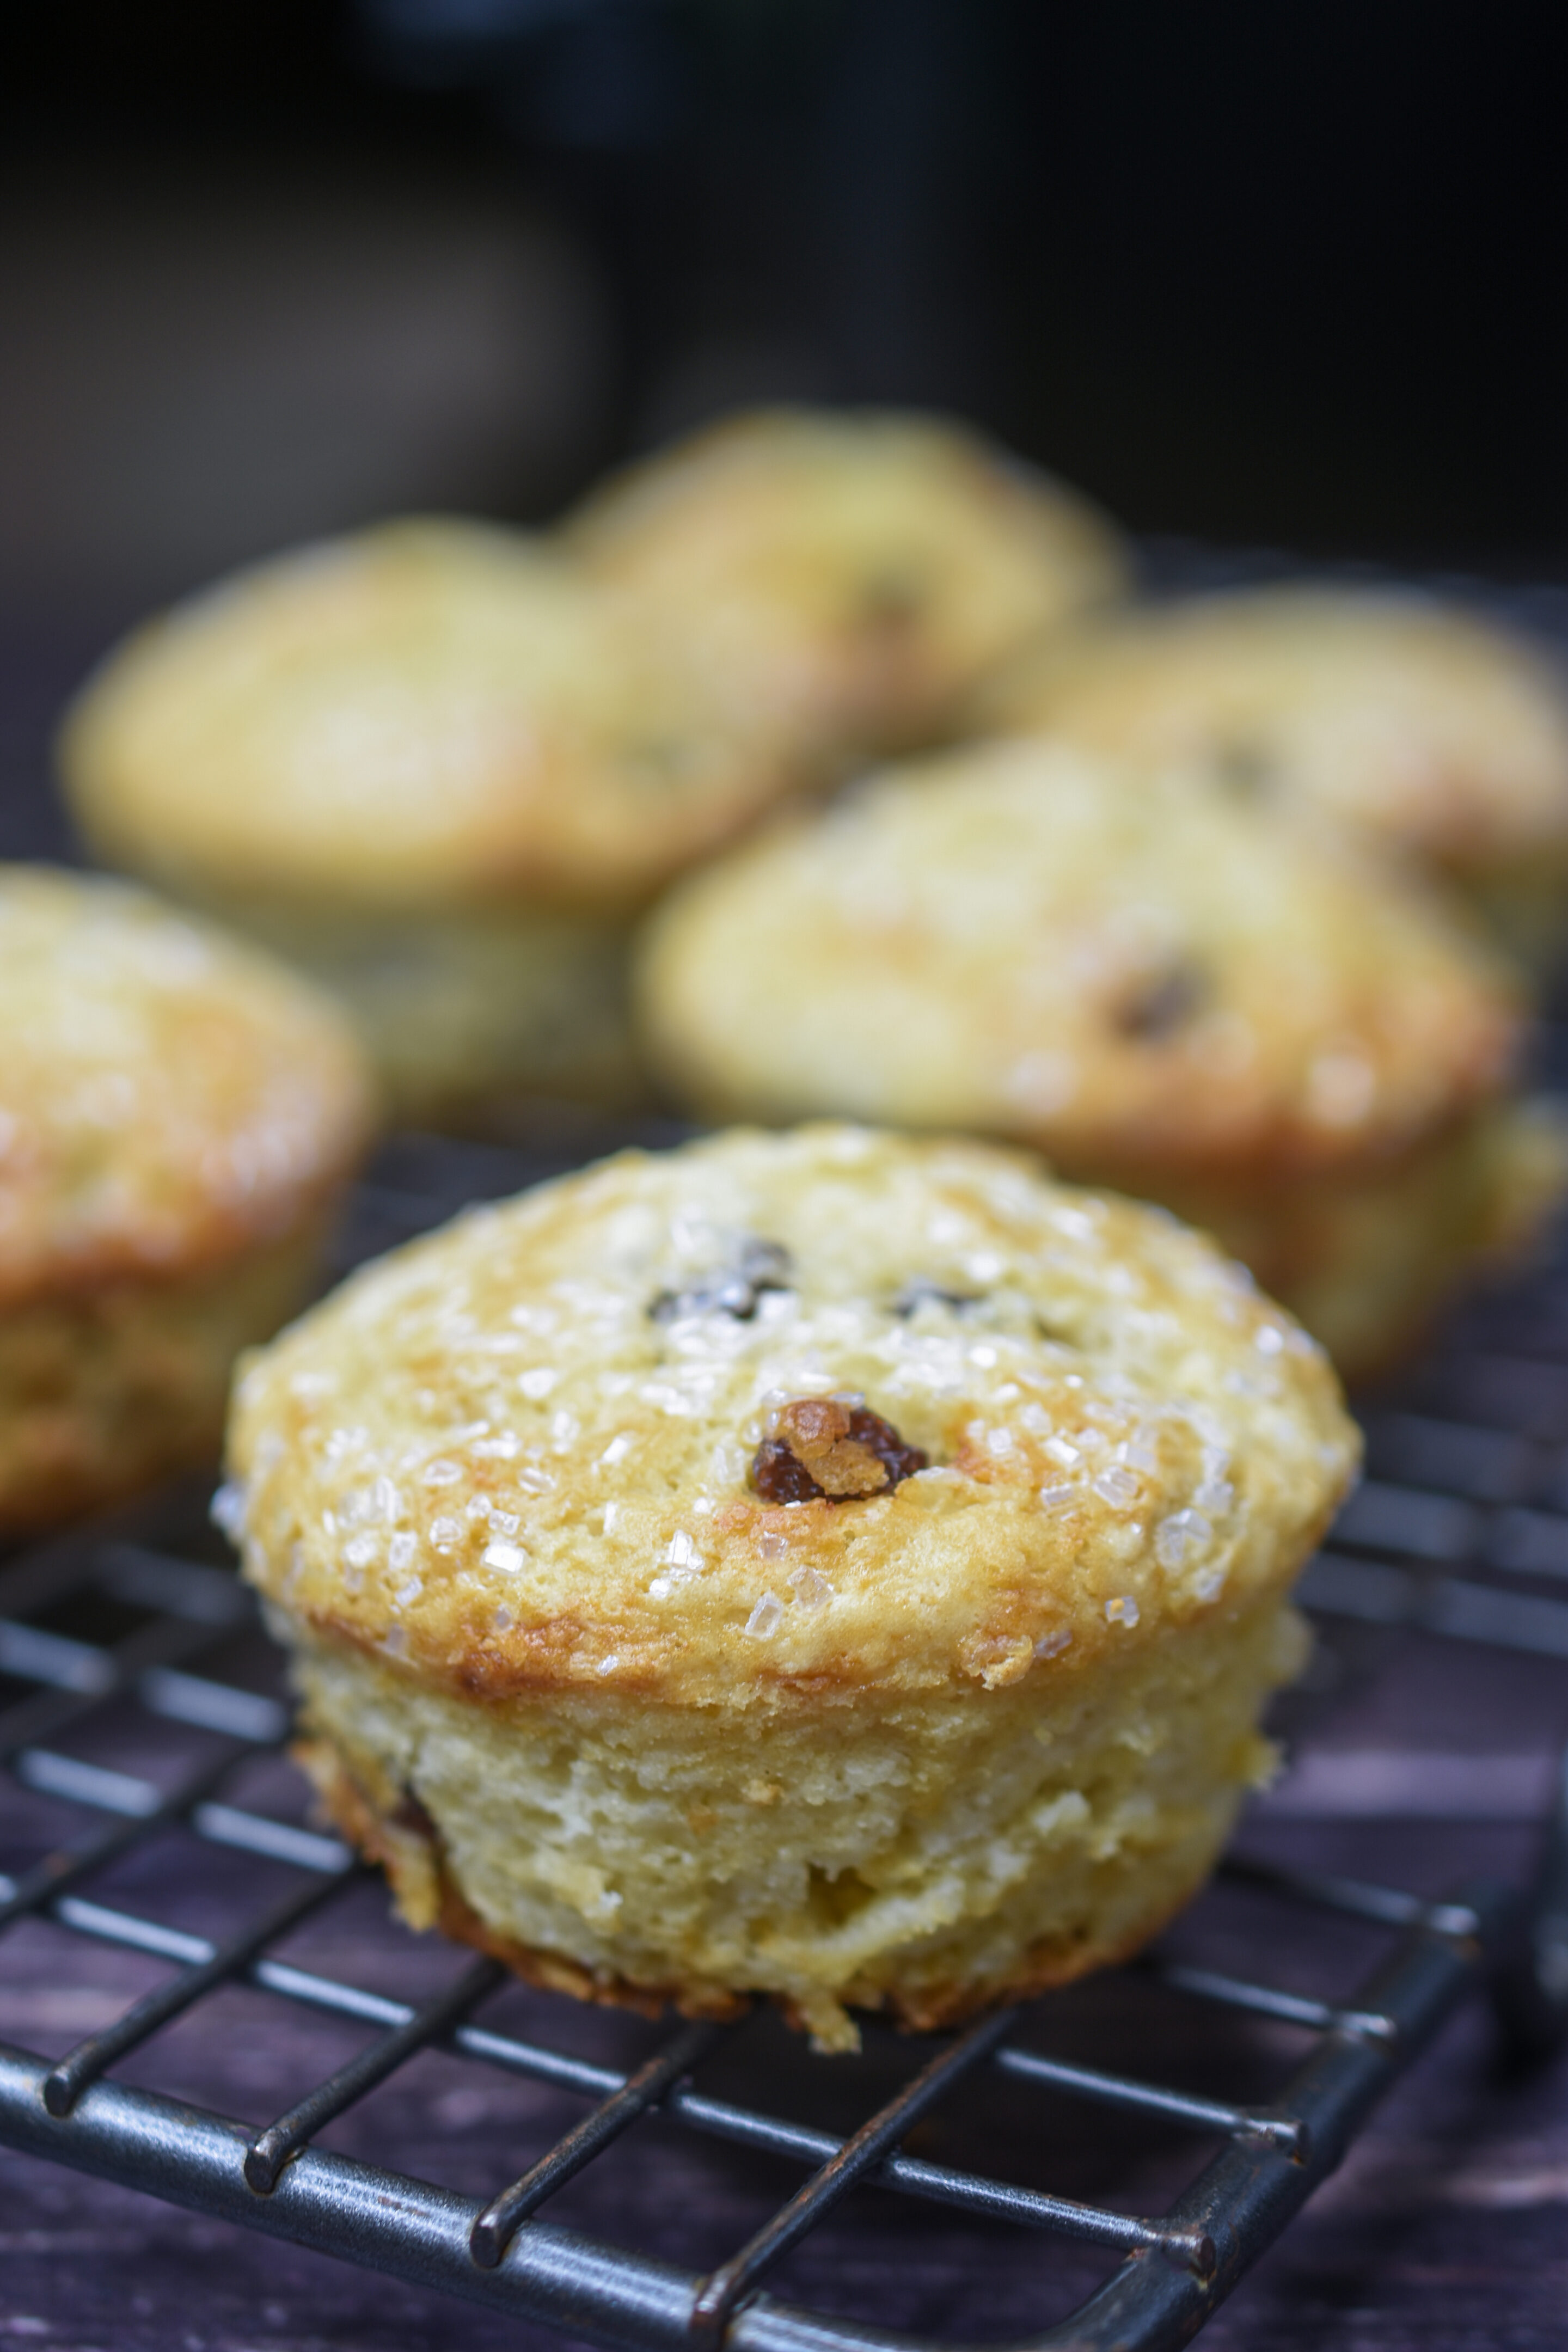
{"x": 178, "y": 1116}
{"x": 1163, "y": 988}
{"x": 440, "y": 772}
{"x": 1435, "y": 734}
{"x": 830, "y": 1566}
{"x": 864, "y": 574}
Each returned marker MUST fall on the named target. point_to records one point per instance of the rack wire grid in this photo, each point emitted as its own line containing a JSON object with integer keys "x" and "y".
{"x": 134, "y": 1634}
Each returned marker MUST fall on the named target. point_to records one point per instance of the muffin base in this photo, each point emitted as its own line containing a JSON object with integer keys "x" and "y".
{"x": 407, "y": 1844}
{"x": 408, "y": 1849}
{"x": 469, "y": 1012}
{"x": 105, "y": 1389}
{"x": 1367, "y": 1262}
{"x": 926, "y": 1854}
{"x": 1523, "y": 906}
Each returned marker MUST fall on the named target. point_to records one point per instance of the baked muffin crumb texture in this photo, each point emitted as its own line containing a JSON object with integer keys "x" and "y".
{"x": 1221, "y": 1005}
{"x": 178, "y": 1116}
{"x": 908, "y": 1743}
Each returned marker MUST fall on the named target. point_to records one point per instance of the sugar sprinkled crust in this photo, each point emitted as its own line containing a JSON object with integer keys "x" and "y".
{"x": 1165, "y": 986}
{"x": 865, "y": 570}
{"x": 491, "y": 1458}
{"x": 177, "y": 1118}
{"x": 602, "y": 1709}
{"x": 430, "y": 714}
{"x": 1416, "y": 722}
{"x": 167, "y": 1097}
{"x": 1140, "y": 973}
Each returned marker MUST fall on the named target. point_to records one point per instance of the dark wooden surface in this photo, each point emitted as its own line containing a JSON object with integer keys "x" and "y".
{"x": 1444, "y": 2229}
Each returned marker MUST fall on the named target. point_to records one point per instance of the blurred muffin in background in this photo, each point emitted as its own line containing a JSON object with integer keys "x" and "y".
{"x": 1435, "y": 733}
{"x": 439, "y": 770}
{"x": 864, "y": 573}
{"x": 1167, "y": 989}
{"x": 178, "y": 1118}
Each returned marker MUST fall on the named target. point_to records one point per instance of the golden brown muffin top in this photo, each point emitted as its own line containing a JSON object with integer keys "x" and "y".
{"x": 428, "y": 714}
{"x": 167, "y": 1097}
{"x": 1421, "y": 723}
{"x": 865, "y": 570}
{"x": 1141, "y": 974}
{"x": 522, "y": 1454}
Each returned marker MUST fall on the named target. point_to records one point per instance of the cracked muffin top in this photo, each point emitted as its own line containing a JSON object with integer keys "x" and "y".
{"x": 865, "y": 570}
{"x": 428, "y": 714}
{"x": 1416, "y": 722}
{"x": 783, "y": 1416}
{"x": 167, "y": 1097}
{"x": 1141, "y": 972}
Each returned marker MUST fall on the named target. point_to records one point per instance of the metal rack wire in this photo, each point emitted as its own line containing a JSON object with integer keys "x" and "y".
{"x": 1462, "y": 1530}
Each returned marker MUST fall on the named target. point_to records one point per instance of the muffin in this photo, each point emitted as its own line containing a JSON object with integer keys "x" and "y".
{"x": 439, "y": 771}
{"x": 178, "y": 1116}
{"x": 1421, "y": 726}
{"x": 1163, "y": 987}
{"x": 830, "y": 1566}
{"x": 863, "y": 573}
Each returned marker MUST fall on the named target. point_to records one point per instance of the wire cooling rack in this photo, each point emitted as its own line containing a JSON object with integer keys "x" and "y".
{"x": 141, "y": 1714}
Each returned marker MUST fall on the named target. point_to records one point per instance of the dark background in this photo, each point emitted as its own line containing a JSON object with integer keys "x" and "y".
{"x": 1289, "y": 276}
{"x": 1294, "y": 274}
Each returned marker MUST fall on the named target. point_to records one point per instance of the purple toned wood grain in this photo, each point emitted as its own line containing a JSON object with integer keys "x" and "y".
{"x": 1446, "y": 2228}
